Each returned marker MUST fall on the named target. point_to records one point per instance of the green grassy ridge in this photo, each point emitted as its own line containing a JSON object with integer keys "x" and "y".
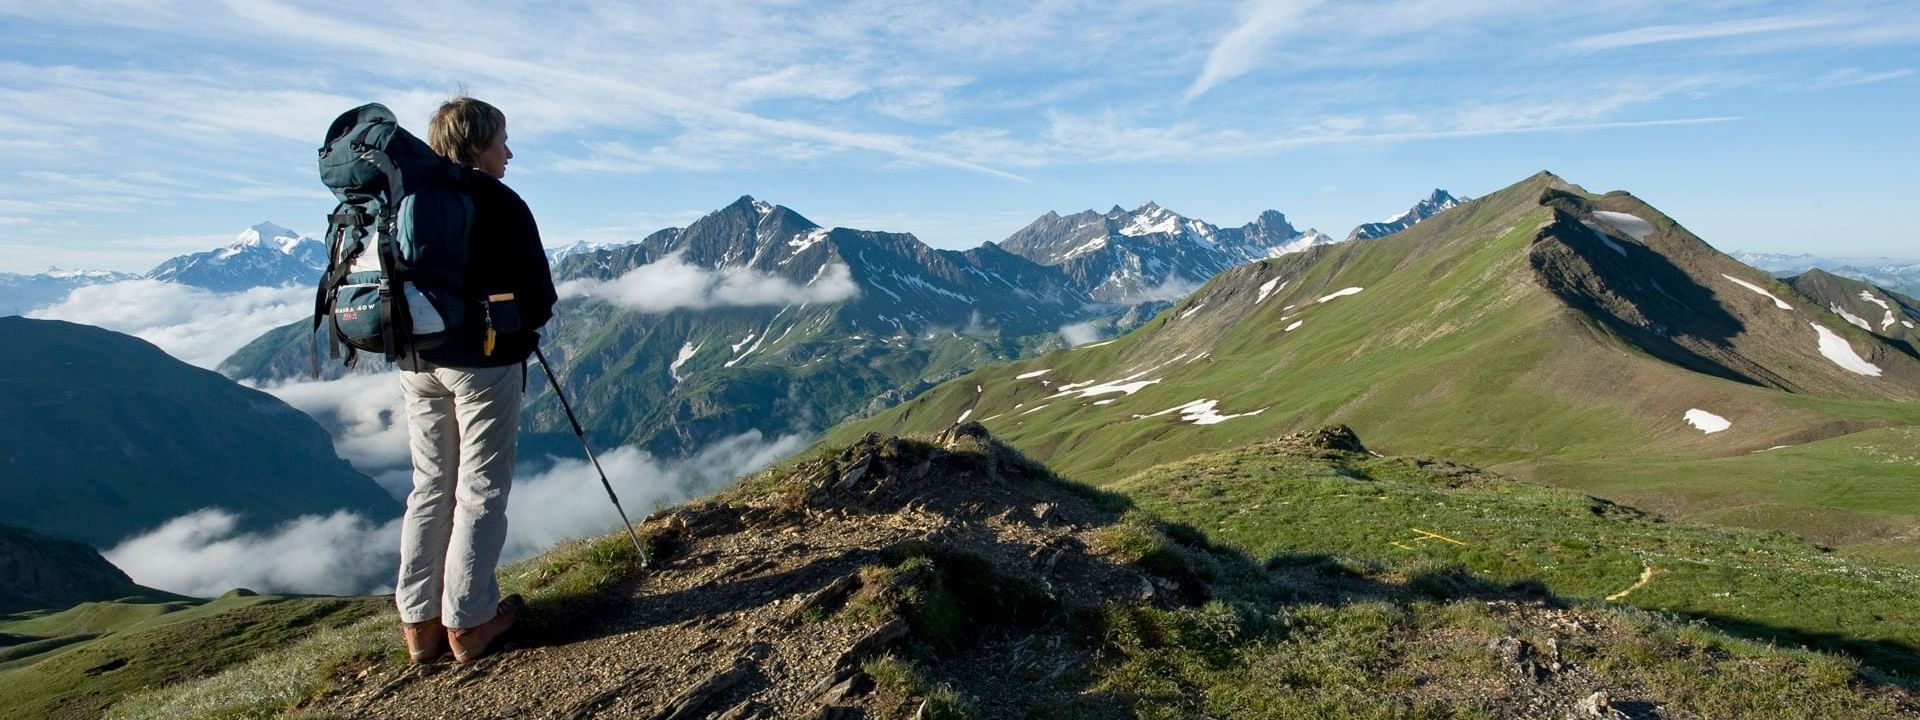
{"x": 1452, "y": 349}
{"x": 139, "y": 648}
{"x": 1275, "y": 504}
{"x": 1846, "y": 491}
{"x": 1427, "y": 660}
{"x": 100, "y": 618}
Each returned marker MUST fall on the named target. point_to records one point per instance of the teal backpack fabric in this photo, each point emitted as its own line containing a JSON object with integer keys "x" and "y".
{"x": 398, "y": 240}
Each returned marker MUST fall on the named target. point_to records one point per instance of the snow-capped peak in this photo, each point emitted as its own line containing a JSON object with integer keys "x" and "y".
{"x": 1151, "y": 219}
{"x": 1434, "y": 203}
{"x": 267, "y": 234}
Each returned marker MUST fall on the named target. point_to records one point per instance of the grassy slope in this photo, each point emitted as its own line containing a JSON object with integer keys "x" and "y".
{"x": 1315, "y": 614}
{"x": 561, "y": 586}
{"x": 119, "y": 648}
{"x": 1358, "y": 507}
{"x": 1449, "y": 350}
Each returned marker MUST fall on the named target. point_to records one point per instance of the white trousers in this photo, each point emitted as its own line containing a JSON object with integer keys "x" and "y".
{"x": 463, "y": 427}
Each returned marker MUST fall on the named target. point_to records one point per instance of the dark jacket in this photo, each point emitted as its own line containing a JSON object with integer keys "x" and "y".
{"x": 504, "y": 256}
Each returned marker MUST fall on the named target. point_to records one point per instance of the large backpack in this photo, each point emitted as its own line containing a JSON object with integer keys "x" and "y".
{"x": 398, "y": 240}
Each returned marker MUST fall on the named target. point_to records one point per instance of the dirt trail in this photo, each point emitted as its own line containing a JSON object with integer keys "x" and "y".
{"x": 720, "y": 624}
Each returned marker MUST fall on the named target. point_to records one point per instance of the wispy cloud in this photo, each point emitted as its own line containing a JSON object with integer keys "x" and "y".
{"x": 609, "y": 90}
{"x": 1261, "y": 23}
{"x": 1848, "y": 77}
{"x": 612, "y": 106}
{"x": 1655, "y": 34}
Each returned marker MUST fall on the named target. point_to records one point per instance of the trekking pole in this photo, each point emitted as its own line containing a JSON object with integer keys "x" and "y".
{"x": 582, "y": 434}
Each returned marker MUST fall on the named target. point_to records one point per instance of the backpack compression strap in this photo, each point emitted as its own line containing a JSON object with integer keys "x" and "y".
{"x": 396, "y": 321}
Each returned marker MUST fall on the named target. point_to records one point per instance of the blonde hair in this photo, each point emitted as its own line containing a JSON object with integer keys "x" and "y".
{"x": 463, "y": 128}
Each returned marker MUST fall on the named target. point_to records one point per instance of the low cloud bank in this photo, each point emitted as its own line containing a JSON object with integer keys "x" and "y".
{"x": 201, "y": 554}
{"x": 204, "y": 554}
{"x": 1171, "y": 289}
{"x": 1079, "y": 333}
{"x": 567, "y": 501}
{"x": 671, "y": 283}
{"x": 198, "y": 326}
{"x": 366, "y": 414}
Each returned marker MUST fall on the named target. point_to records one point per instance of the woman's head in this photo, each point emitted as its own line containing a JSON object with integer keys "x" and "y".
{"x": 472, "y": 133}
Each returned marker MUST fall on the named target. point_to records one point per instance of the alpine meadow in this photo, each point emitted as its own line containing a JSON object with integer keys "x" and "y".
{"x": 1221, "y": 359}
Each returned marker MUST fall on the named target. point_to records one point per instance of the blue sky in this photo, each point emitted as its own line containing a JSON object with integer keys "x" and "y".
{"x": 130, "y": 132}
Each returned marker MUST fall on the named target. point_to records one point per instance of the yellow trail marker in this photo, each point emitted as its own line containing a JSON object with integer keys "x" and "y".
{"x": 1437, "y": 536}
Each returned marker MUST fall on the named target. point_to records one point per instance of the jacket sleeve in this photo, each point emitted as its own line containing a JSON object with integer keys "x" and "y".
{"x": 535, "y": 281}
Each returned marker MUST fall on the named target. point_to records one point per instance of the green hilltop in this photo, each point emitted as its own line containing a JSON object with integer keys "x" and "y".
{"x": 1525, "y": 331}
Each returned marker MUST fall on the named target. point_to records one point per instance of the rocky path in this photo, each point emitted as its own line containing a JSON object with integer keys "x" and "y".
{"x": 729, "y": 624}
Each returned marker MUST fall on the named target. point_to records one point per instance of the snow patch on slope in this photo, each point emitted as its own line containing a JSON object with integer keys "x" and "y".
{"x": 1836, "y": 349}
{"x": 1777, "y": 302}
{"x": 1632, "y": 225}
{"x": 1885, "y": 322}
{"x": 1707, "y": 422}
{"x": 1128, "y": 385}
{"x": 1856, "y": 320}
{"x": 686, "y": 353}
{"x": 1201, "y": 412}
{"x": 1341, "y": 293}
{"x": 1266, "y": 289}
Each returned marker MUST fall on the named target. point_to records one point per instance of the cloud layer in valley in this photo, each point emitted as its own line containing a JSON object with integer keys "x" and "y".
{"x": 203, "y": 554}
{"x": 366, "y": 415}
{"x": 671, "y": 284}
{"x": 201, "y": 327}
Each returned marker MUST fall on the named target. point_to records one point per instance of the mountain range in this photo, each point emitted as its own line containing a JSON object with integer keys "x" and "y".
{"x": 264, "y": 255}
{"x": 1569, "y": 337}
{"x": 850, "y": 322}
{"x": 20, "y": 293}
{"x": 1896, "y": 274}
{"x": 1150, "y": 253}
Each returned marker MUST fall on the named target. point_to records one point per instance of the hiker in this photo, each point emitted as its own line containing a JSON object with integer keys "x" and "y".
{"x": 463, "y": 406}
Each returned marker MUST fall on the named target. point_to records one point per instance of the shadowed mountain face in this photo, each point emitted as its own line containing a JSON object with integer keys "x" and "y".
{"x": 1573, "y": 337}
{"x": 108, "y": 436}
{"x": 38, "y": 572}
